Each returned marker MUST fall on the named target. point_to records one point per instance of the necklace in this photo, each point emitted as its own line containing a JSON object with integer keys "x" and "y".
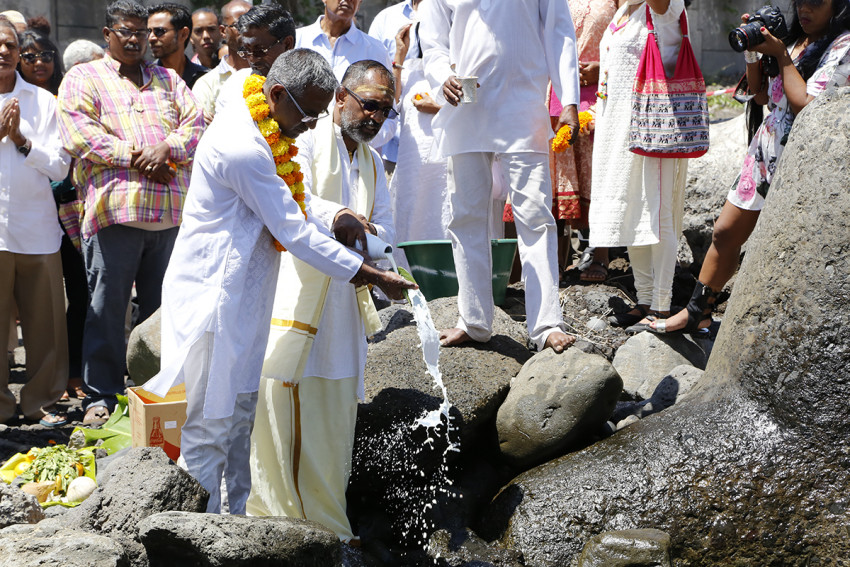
{"x": 283, "y": 148}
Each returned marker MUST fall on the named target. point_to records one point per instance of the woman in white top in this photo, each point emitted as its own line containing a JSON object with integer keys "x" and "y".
{"x": 813, "y": 57}
{"x": 636, "y": 201}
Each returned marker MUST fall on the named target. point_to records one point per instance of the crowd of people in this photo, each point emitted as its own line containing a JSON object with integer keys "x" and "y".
{"x": 232, "y": 188}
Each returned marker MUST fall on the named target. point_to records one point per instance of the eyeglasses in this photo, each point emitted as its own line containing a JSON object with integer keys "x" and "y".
{"x": 256, "y": 52}
{"x": 305, "y": 118}
{"x": 44, "y": 56}
{"x": 372, "y": 106}
{"x": 125, "y": 33}
{"x": 159, "y": 32}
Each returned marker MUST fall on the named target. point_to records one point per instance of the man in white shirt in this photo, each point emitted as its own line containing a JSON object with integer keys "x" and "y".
{"x": 206, "y": 88}
{"x": 335, "y": 36}
{"x": 513, "y": 49}
{"x": 219, "y": 285}
{"x": 301, "y": 461}
{"x": 31, "y": 155}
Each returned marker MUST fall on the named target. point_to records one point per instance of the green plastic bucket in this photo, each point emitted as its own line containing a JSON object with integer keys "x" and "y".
{"x": 433, "y": 266}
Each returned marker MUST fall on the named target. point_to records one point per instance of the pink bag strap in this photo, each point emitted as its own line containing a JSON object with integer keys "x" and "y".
{"x": 683, "y": 22}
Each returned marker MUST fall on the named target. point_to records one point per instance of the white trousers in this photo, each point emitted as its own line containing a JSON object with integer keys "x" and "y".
{"x": 654, "y": 265}
{"x": 470, "y": 183}
{"x": 301, "y": 451}
{"x": 212, "y": 448}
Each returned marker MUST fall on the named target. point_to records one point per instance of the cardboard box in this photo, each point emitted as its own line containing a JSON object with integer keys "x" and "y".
{"x": 157, "y": 422}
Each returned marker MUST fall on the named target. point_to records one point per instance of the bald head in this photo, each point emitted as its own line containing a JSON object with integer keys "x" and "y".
{"x": 231, "y": 11}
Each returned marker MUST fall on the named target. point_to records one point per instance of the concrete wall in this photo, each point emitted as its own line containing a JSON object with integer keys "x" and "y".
{"x": 710, "y": 22}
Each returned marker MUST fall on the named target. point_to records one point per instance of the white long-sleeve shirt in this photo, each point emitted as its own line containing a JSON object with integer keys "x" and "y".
{"x": 514, "y": 48}
{"x": 339, "y": 349}
{"x": 222, "y": 274}
{"x": 28, "y": 220}
{"x": 353, "y": 46}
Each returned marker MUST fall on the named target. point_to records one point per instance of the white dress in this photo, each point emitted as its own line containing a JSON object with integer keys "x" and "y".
{"x": 418, "y": 188}
{"x": 626, "y": 188}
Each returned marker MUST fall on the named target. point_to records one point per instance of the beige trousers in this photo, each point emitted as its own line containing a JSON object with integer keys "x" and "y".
{"x": 301, "y": 451}
{"x": 34, "y": 283}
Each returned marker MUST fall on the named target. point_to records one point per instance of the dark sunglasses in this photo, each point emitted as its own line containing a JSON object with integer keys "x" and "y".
{"x": 372, "y": 106}
{"x": 125, "y": 33}
{"x": 159, "y": 32}
{"x": 44, "y": 56}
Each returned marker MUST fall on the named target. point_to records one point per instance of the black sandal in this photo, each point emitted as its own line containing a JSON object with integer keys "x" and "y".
{"x": 699, "y": 309}
{"x": 628, "y": 318}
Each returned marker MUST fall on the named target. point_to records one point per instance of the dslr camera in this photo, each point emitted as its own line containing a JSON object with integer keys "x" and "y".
{"x": 749, "y": 34}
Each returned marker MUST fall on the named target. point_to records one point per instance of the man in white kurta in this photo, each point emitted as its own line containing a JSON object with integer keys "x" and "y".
{"x": 304, "y": 435}
{"x": 219, "y": 285}
{"x": 514, "y": 49}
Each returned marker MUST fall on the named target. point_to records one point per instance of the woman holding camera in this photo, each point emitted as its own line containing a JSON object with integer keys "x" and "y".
{"x": 812, "y": 57}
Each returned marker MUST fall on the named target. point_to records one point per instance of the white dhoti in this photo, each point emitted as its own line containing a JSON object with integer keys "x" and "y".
{"x": 310, "y": 427}
{"x": 212, "y": 447}
{"x": 470, "y": 194}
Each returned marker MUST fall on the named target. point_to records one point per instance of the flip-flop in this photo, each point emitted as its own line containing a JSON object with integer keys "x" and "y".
{"x": 596, "y": 272}
{"x": 61, "y": 419}
{"x": 640, "y": 327}
{"x": 626, "y": 319}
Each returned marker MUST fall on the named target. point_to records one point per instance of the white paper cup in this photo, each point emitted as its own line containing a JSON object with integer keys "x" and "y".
{"x": 470, "y": 89}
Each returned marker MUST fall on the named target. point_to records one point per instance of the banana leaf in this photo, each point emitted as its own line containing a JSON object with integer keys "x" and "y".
{"x": 115, "y": 432}
{"x": 409, "y": 277}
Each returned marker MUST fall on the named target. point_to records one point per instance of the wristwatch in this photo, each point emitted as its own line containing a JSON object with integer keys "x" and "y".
{"x": 25, "y": 148}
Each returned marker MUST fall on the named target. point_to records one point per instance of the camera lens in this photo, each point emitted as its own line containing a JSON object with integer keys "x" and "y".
{"x": 738, "y": 40}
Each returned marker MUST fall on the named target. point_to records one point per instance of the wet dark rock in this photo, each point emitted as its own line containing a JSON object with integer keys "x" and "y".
{"x": 627, "y": 548}
{"x": 185, "y": 538}
{"x": 144, "y": 349}
{"x": 66, "y": 547}
{"x": 18, "y": 507}
{"x": 646, "y": 359}
{"x": 753, "y": 466}
{"x": 554, "y": 401}
{"x": 465, "y": 549}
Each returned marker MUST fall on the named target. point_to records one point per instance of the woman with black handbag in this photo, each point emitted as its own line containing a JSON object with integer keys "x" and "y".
{"x": 813, "y": 56}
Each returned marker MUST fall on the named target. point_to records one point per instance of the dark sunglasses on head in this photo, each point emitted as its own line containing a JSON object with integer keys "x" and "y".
{"x": 44, "y": 56}
{"x": 159, "y": 32}
{"x": 372, "y": 106}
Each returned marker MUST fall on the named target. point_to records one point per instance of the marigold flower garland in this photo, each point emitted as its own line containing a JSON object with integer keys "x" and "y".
{"x": 562, "y": 139}
{"x": 283, "y": 148}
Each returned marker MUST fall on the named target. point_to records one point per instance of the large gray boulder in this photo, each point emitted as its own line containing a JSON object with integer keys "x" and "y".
{"x": 646, "y": 358}
{"x": 18, "y": 507}
{"x": 185, "y": 538}
{"x": 709, "y": 180}
{"x": 752, "y": 468}
{"x": 66, "y": 547}
{"x": 142, "y": 483}
{"x": 553, "y": 401}
{"x": 144, "y": 349}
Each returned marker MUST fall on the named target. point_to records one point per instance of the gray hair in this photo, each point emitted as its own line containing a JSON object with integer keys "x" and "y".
{"x": 81, "y": 51}
{"x": 297, "y": 69}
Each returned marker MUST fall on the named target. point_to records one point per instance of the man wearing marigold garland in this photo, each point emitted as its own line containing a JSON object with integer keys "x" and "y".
{"x": 513, "y": 49}
{"x": 316, "y": 357}
{"x": 219, "y": 285}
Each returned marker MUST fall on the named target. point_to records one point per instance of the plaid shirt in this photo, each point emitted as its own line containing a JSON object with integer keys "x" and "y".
{"x": 103, "y": 117}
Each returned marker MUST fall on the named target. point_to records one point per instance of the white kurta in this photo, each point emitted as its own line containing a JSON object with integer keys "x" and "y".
{"x": 626, "y": 187}
{"x": 353, "y": 46}
{"x": 513, "y": 48}
{"x": 339, "y": 349}
{"x": 28, "y": 220}
{"x": 418, "y": 187}
{"x": 222, "y": 273}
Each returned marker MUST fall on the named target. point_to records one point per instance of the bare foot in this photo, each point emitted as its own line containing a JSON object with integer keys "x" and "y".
{"x": 558, "y": 341}
{"x": 674, "y": 322}
{"x": 453, "y": 337}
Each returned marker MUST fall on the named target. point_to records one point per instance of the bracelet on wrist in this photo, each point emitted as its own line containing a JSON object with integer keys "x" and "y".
{"x": 752, "y": 56}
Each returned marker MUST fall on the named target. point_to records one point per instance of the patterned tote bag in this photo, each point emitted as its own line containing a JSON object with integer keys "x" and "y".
{"x": 669, "y": 116}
